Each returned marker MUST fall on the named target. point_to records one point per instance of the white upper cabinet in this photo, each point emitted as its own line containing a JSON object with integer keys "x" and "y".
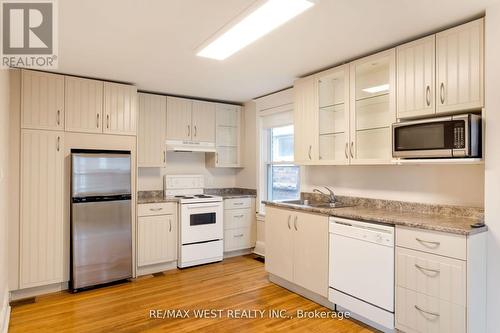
{"x": 333, "y": 116}
{"x": 179, "y": 118}
{"x": 42, "y": 100}
{"x": 227, "y": 137}
{"x": 42, "y": 208}
{"x": 373, "y": 108}
{"x": 305, "y": 118}
{"x": 460, "y": 53}
{"x": 120, "y": 109}
{"x": 416, "y": 78}
{"x": 152, "y": 130}
{"x": 83, "y": 105}
{"x": 203, "y": 121}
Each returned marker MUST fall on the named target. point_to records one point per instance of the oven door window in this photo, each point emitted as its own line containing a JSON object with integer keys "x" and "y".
{"x": 427, "y": 136}
{"x": 202, "y": 219}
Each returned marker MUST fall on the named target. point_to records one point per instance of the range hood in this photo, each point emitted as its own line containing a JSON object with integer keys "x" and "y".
{"x": 179, "y": 145}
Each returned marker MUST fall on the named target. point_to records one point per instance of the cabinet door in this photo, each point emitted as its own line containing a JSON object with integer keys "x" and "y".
{"x": 416, "y": 76}
{"x": 460, "y": 53}
{"x": 203, "y": 121}
{"x": 42, "y": 208}
{"x": 305, "y": 119}
{"x": 155, "y": 239}
{"x": 373, "y": 108}
{"x": 227, "y": 135}
{"x": 120, "y": 108}
{"x": 42, "y": 101}
{"x": 310, "y": 252}
{"x": 227, "y": 115}
{"x": 179, "y": 118}
{"x": 152, "y": 130}
{"x": 83, "y": 105}
{"x": 279, "y": 249}
{"x": 333, "y": 115}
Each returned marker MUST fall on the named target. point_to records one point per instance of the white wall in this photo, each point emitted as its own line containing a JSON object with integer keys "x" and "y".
{"x": 4, "y": 149}
{"x": 492, "y": 172}
{"x": 185, "y": 163}
{"x": 247, "y": 177}
{"x": 436, "y": 184}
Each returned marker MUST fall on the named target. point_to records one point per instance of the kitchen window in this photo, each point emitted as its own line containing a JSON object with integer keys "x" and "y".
{"x": 283, "y": 177}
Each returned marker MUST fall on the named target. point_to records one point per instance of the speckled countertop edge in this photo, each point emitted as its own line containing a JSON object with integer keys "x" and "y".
{"x": 156, "y": 196}
{"x": 420, "y": 220}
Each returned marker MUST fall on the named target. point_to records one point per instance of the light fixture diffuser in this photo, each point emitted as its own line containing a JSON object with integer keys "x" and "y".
{"x": 270, "y": 15}
{"x": 377, "y": 89}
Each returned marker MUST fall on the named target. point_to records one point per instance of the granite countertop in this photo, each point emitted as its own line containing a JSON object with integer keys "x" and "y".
{"x": 450, "y": 219}
{"x": 144, "y": 197}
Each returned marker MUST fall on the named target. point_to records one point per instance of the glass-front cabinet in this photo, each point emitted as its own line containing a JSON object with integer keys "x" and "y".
{"x": 373, "y": 102}
{"x": 333, "y": 115}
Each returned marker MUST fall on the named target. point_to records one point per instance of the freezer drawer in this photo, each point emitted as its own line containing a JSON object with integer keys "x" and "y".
{"x": 101, "y": 242}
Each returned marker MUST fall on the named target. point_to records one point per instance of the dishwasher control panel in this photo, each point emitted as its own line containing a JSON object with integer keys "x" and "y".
{"x": 369, "y": 232}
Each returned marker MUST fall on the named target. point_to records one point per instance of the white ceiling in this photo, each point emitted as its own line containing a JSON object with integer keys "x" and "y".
{"x": 152, "y": 43}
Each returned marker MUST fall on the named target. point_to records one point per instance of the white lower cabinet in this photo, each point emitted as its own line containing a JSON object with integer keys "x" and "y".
{"x": 440, "y": 282}
{"x": 156, "y": 234}
{"x": 42, "y": 208}
{"x": 297, "y": 248}
{"x": 239, "y": 224}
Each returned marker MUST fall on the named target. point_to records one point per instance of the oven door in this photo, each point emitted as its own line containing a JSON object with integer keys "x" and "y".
{"x": 201, "y": 222}
{"x": 438, "y": 137}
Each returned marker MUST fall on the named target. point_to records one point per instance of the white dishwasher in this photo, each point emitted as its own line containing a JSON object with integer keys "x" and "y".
{"x": 361, "y": 272}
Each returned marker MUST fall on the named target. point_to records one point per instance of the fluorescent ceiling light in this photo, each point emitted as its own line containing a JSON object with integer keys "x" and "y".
{"x": 259, "y": 22}
{"x": 377, "y": 89}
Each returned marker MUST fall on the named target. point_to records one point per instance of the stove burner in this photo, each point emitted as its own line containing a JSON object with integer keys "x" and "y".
{"x": 184, "y": 197}
{"x": 202, "y": 196}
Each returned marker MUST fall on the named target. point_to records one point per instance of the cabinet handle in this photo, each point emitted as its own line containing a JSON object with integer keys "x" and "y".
{"x": 164, "y": 156}
{"x": 169, "y": 225}
{"x": 195, "y": 130}
{"x": 428, "y": 95}
{"x": 155, "y": 209}
{"x": 346, "y": 150}
{"x": 189, "y": 130}
{"x": 238, "y": 203}
{"x": 107, "y": 121}
{"x": 239, "y": 235}
{"x": 289, "y": 218}
{"x": 295, "y": 223}
{"x": 352, "y": 148}
{"x": 216, "y": 158}
{"x": 427, "y": 312}
{"x": 239, "y": 216}
{"x": 424, "y": 242}
{"x": 58, "y": 117}
{"x": 427, "y": 269}
{"x": 98, "y": 120}
{"x": 58, "y": 145}
{"x": 309, "y": 153}
{"x": 441, "y": 92}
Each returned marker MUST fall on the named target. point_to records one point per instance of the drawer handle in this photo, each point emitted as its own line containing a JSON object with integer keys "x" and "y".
{"x": 155, "y": 209}
{"x": 427, "y": 312}
{"x": 424, "y": 242}
{"x": 427, "y": 269}
{"x": 239, "y": 216}
{"x": 239, "y": 235}
{"x": 169, "y": 225}
{"x": 238, "y": 203}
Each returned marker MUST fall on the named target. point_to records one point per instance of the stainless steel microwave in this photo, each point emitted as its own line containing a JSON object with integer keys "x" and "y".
{"x": 452, "y": 136}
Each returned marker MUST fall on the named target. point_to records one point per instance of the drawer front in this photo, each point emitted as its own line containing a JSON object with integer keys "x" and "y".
{"x": 237, "y": 203}
{"x": 162, "y": 208}
{"x": 432, "y": 275}
{"x": 237, "y": 218}
{"x": 450, "y": 245}
{"x": 238, "y": 239}
{"x": 420, "y": 313}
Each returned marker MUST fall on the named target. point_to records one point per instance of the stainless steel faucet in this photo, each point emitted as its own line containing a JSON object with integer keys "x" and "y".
{"x": 330, "y": 195}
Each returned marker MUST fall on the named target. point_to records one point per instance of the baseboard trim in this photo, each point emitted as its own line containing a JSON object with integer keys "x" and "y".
{"x": 37, "y": 291}
{"x": 260, "y": 249}
{"x": 5, "y": 313}
{"x": 156, "y": 268}
{"x": 237, "y": 253}
{"x": 301, "y": 291}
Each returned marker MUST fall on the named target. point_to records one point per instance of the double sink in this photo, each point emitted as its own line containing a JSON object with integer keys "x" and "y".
{"x": 308, "y": 203}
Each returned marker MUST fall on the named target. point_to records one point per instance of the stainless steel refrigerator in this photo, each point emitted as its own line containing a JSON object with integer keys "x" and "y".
{"x": 101, "y": 215}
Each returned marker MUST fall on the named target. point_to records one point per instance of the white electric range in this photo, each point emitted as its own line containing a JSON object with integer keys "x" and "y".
{"x": 201, "y": 228}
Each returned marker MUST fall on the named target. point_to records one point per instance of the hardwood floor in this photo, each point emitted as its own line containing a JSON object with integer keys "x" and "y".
{"x": 235, "y": 283}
